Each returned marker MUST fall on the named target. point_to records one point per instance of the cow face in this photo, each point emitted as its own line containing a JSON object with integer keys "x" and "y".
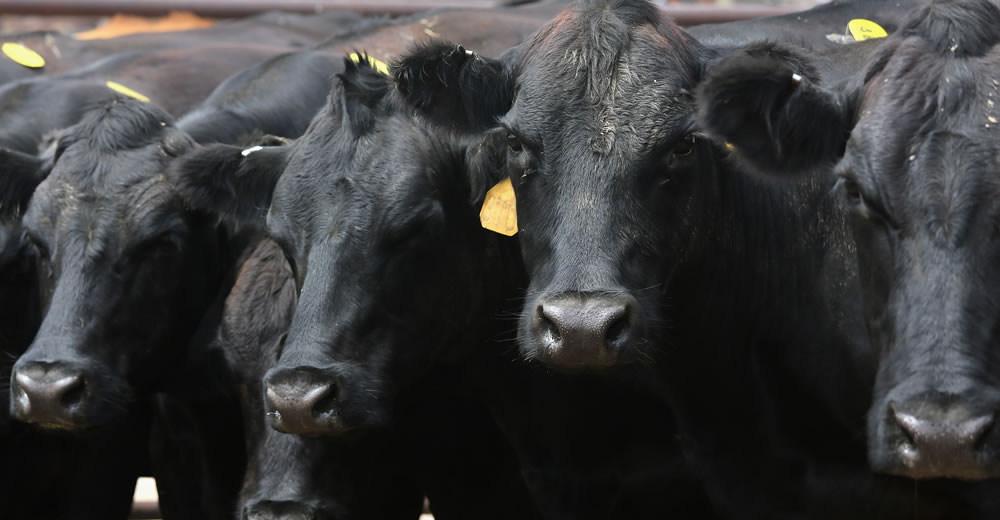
{"x": 290, "y": 476}
{"x": 913, "y": 143}
{"x": 375, "y": 215}
{"x": 594, "y": 116}
{"x": 120, "y": 284}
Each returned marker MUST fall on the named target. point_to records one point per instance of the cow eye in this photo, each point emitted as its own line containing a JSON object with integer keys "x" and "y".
{"x": 685, "y": 147}
{"x": 853, "y": 191}
{"x": 514, "y": 143}
{"x": 39, "y": 247}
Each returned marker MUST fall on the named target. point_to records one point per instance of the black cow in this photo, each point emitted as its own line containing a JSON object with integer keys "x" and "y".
{"x": 176, "y": 79}
{"x": 265, "y": 99}
{"x": 400, "y": 199}
{"x": 467, "y": 472}
{"x": 821, "y": 27}
{"x": 131, "y": 284}
{"x": 642, "y": 245}
{"x": 912, "y": 141}
{"x": 157, "y": 280}
{"x": 88, "y": 475}
{"x": 289, "y": 475}
{"x": 63, "y": 53}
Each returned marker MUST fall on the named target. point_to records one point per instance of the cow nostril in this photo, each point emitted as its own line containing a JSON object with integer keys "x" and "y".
{"x": 617, "y": 332}
{"x": 327, "y": 404}
{"x": 73, "y": 393}
{"x": 550, "y": 330}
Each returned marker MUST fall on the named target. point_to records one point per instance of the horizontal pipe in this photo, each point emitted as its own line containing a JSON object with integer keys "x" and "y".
{"x": 683, "y": 14}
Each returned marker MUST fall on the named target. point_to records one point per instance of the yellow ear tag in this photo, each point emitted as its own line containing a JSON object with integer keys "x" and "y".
{"x": 863, "y": 29}
{"x": 23, "y": 55}
{"x": 378, "y": 65}
{"x": 499, "y": 213}
{"x": 118, "y": 87}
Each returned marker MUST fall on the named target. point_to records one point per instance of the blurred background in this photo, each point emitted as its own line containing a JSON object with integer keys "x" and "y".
{"x": 80, "y": 15}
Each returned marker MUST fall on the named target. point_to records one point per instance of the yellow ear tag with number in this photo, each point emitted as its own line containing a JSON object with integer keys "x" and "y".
{"x": 499, "y": 213}
{"x": 118, "y": 87}
{"x": 23, "y": 55}
{"x": 863, "y": 29}
{"x": 378, "y": 65}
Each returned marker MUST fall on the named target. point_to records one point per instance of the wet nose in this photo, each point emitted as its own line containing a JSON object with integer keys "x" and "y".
{"x": 580, "y": 330}
{"x": 279, "y": 510}
{"x": 941, "y": 441}
{"x": 301, "y": 401}
{"x": 47, "y": 394}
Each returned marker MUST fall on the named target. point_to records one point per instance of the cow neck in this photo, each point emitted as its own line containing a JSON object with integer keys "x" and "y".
{"x": 203, "y": 360}
{"x": 775, "y": 285}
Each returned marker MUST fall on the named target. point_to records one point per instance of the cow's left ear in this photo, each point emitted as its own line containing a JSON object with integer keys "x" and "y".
{"x": 20, "y": 174}
{"x": 230, "y": 181}
{"x": 453, "y": 86}
{"x": 766, "y": 105}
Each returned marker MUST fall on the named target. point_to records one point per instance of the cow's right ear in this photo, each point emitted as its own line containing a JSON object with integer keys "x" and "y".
{"x": 20, "y": 174}
{"x": 230, "y": 181}
{"x": 767, "y": 107}
{"x": 484, "y": 162}
{"x": 453, "y": 86}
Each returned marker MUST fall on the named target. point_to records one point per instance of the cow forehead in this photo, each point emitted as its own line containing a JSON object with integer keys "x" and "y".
{"x": 927, "y": 135}
{"x": 622, "y": 93}
{"x": 102, "y": 195}
{"x": 920, "y": 101}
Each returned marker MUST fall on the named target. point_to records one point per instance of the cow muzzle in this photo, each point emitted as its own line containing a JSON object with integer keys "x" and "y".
{"x": 50, "y": 395}
{"x": 582, "y": 330}
{"x": 927, "y": 437}
{"x": 279, "y": 510}
{"x": 305, "y": 401}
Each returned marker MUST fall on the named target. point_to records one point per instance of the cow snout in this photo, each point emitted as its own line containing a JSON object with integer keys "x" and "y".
{"x": 931, "y": 440}
{"x": 584, "y": 331}
{"x": 279, "y": 510}
{"x": 46, "y": 394}
{"x": 303, "y": 401}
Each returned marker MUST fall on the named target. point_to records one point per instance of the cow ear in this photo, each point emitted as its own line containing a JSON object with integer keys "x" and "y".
{"x": 20, "y": 174}
{"x": 452, "y": 86}
{"x": 230, "y": 181}
{"x": 768, "y": 108}
{"x": 484, "y": 164}
{"x": 363, "y": 86}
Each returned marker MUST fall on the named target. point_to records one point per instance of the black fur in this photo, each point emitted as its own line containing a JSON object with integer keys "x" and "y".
{"x": 21, "y": 174}
{"x": 776, "y": 125}
{"x": 219, "y": 178}
{"x": 959, "y": 28}
{"x": 451, "y": 87}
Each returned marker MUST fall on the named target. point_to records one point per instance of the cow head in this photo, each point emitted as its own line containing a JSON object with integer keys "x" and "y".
{"x": 595, "y": 117}
{"x": 126, "y": 272}
{"x": 290, "y": 476}
{"x": 376, "y": 215}
{"x": 19, "y": 312}
{"x": 913, "y": 141}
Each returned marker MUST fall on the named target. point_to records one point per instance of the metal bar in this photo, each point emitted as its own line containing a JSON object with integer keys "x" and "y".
{"x": 683, "y": 14}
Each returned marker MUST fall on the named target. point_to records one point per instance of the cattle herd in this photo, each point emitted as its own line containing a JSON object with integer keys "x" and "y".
{"x": 538, "y": 262}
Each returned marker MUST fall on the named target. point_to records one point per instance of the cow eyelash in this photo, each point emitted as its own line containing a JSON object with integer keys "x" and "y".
{"x": 861, "y": 203}
{"x": 517, "y": 139}
{"x": 685, "y": 147}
